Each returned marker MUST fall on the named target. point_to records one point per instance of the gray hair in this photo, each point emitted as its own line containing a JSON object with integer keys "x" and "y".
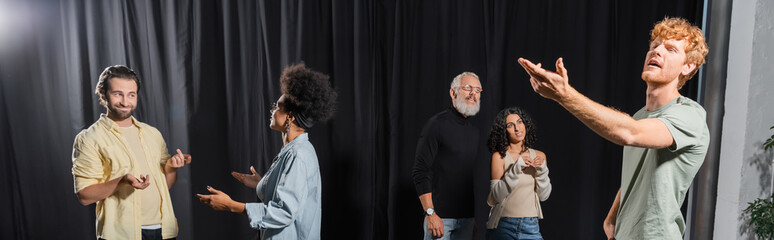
{"x": 456, "y": 82}
{"x": 459, "y": 101}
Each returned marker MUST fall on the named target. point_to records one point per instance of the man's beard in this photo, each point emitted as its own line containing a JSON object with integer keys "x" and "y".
{"x": 464, "y": 108}
{"x": 120, "y": 115}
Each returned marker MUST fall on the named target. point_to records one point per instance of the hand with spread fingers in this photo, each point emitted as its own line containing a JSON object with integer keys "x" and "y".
{"x": 551, "y": 85}
{"x": 141, "y": 183}
{"x": 249, "y": 180}
{"x": 220, "y": 201}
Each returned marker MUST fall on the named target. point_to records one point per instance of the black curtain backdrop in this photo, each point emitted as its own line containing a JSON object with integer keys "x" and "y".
{"x": 210, "y": 70}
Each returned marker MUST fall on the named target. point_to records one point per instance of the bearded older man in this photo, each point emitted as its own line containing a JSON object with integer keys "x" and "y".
{"x": 444, "y": 157}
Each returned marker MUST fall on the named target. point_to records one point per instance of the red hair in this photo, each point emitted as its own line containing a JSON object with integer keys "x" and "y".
{"x": 680, "y": 29}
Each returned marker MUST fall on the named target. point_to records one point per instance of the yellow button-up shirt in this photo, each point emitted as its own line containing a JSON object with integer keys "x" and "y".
{"x": 101, "y": 154}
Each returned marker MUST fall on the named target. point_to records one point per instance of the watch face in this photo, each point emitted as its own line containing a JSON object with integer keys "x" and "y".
{"x": 429, "y": 211}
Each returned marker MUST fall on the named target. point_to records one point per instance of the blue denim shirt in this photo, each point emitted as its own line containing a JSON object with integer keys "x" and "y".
{"x": 290, "y": 194}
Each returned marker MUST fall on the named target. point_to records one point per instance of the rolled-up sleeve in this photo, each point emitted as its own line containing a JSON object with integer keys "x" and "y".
{"x": 290, "y": 195}
{"x": 87, "y": 165}
{"x": 163, "y": 150}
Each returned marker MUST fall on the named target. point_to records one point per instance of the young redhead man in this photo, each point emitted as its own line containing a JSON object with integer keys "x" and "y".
{"x": 664, "y": 142}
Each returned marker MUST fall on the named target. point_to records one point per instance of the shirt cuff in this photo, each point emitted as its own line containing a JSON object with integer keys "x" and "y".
{"x": 82, "y": 182}
{"x": 255, "y": 211}
{"x": 543, "y": 169}
{"x": 423, "y": 187}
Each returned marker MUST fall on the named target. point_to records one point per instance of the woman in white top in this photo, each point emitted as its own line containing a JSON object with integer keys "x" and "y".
{"x": 519, "y": 178}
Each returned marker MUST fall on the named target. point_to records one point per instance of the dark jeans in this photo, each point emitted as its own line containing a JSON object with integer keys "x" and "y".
{"x": 151, "y": 235}
{"x": 515, "y": 228}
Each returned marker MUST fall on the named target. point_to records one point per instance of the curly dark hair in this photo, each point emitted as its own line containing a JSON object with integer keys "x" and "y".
{"x": 498, "y": 135}
{"x": 115, "y": 71}
{"x": 308, "y": 92}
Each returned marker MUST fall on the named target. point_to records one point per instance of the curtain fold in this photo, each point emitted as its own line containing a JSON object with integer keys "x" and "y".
{"x": 210, "y": 70}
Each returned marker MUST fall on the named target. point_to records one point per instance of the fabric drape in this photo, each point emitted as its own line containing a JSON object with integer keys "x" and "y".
{"x": 210, "y": 71}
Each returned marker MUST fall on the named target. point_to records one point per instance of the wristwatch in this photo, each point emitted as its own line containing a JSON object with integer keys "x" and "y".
{"x": 429, "y": 211}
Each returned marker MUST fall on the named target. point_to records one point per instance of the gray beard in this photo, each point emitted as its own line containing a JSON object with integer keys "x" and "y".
{"x": 464, "y": 109}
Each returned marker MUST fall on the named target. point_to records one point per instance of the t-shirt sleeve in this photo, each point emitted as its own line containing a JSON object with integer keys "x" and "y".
{"x": 686, "y": 125}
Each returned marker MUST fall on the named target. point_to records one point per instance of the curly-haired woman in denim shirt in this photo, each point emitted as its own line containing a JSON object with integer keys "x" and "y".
{"x": 290, "y": 191}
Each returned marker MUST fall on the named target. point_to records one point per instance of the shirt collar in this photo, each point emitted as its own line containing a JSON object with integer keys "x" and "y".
{"x": 304, "y": 137}
{"x": 676, "y": 100}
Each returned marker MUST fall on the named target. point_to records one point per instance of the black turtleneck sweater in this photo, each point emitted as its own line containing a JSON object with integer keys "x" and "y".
{"x": 445, "y": 162}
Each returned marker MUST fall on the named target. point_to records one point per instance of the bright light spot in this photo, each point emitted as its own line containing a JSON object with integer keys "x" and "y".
{"x": 4, "y": 19}
{"x": 12, "y": 13}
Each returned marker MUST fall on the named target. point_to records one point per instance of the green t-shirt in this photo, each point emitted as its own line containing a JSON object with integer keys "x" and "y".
{"x": 654, "y": 181}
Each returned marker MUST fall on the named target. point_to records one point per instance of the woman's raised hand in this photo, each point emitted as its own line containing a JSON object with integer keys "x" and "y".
{"x": 249, "y": 180}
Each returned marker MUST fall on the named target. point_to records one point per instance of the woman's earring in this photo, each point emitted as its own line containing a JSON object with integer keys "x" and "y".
{"x": 287, "y": 125}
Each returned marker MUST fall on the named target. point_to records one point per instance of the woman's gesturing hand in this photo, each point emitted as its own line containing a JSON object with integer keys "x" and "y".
{"x": 249, "y": 180}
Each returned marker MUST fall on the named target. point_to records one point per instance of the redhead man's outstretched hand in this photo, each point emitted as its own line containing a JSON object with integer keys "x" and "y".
{"x": 551, "y": 85}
